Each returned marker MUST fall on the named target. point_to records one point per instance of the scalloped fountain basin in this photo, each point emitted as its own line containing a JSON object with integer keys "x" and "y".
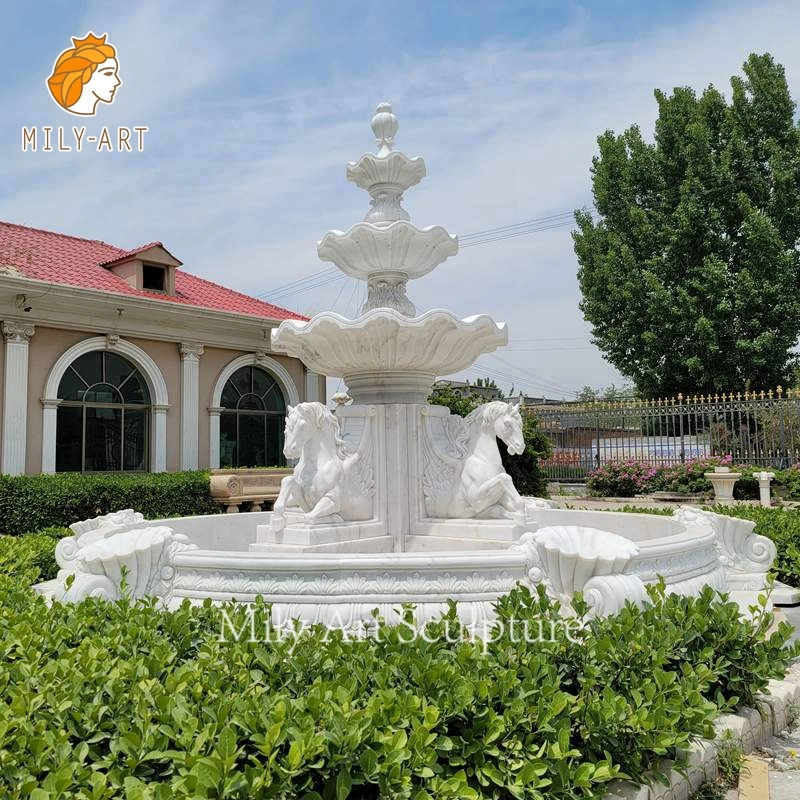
{"x": 321, "y": 586}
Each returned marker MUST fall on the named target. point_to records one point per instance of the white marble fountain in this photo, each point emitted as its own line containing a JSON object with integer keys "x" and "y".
{"x": 393, "y": 500}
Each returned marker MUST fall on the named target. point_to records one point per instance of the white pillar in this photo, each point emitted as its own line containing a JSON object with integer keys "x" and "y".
{"x": 159, "y": 438}
{"x": 764, "y": 480}
{"x": 49, "y": 424}
{"x": 213, "y": 437}
{"x": 190, "y": 403}
{"x": 17, "y": 335}
{"x": 312, "y": 387}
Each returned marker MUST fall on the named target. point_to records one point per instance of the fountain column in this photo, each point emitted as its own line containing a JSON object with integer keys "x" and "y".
{"x": 390, "y": 355}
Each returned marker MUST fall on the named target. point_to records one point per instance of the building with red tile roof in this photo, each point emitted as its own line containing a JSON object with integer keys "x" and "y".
{"x": 117, "y": 359}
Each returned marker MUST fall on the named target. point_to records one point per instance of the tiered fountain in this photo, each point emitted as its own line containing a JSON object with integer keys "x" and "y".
{"x": 393, "y": 500}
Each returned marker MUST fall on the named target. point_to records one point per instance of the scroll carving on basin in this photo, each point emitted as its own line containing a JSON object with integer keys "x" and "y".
{"x": 746, "y": 555}
{"x": 469, "y": 481}
{"x": 330, "y": 484}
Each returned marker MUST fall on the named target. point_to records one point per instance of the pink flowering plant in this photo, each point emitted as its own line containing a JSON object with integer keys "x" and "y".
{"x": 624, "y": 479}
{"x": 631, "y": 477}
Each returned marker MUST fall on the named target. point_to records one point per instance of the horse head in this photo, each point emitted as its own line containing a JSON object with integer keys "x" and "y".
{"x": 505, "y": 421}
{"x": 307, "y": 421}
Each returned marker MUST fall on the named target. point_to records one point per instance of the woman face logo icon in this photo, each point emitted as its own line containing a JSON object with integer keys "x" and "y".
{"x": 85, "y": 75}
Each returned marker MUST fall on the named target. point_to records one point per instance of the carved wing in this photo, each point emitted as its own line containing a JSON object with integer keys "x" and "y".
{"x": 359, "y": 464}
{"x": 441, "y": 461}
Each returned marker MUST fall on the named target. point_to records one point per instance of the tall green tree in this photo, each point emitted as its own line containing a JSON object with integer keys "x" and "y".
{"x": 690, "y": 276}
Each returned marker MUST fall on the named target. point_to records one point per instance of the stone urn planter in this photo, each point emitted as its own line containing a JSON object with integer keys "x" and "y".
{"x": 258, "y": 487}
{"x": 723, "y": 481}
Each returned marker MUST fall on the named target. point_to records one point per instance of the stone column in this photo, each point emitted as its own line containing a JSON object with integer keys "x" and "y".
{"x": 764, "y": 480}
{"x": 190, "y": 403}
{"x": 17, "y": 336}
{"x": 213, "y": 437}
{"x": 49, "y": 423}
{"x": 159, "y": 458}
{"x": 312, "y": 387}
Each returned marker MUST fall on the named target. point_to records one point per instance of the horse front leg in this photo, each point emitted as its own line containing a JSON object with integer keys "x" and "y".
{"x": 482, "y": 496}
{"x": 512, "y": 500}
{"x": 285, "y": 497}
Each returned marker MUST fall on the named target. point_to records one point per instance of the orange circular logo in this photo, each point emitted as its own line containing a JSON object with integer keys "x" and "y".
{"x": 85, "y": 75}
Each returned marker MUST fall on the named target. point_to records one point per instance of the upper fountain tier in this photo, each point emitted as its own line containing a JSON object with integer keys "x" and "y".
{"x": 386, "y": 246}
{"x": 388, "y": 354}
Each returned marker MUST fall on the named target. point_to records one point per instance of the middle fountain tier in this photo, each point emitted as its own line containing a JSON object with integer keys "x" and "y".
{"x": 390, "y": 472}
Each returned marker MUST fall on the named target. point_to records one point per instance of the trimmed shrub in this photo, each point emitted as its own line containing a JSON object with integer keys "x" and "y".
{"x": 32, "y": 502}
{"x": 104, "y": 700}
{"x": 31, "y": 558}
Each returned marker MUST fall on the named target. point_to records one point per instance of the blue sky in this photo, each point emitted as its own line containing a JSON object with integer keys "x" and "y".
{"x": 254, "y": 108}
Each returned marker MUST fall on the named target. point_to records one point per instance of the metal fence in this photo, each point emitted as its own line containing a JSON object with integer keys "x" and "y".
{"x": 758, "y": 428}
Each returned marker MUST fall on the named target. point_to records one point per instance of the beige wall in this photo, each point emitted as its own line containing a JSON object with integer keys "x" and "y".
{"x": 48, "y": 344}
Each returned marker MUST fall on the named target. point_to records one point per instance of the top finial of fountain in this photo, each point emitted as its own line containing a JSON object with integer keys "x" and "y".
{"x": 384, "y": 126}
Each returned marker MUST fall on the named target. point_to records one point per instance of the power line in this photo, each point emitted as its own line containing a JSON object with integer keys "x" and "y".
{"x": 526, "y": 223}
{"x": 535, "y": 225}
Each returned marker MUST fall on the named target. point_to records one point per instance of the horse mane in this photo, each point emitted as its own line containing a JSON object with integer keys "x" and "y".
{"x": 480, "y": 416}
{"x": 322, "y": 419}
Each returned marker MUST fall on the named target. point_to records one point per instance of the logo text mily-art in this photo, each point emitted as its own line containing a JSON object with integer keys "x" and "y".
{"x": 65, "y": 140}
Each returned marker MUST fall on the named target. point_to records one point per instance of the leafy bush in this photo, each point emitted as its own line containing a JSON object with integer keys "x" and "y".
{"x": 631, "y": 477}
{"x": 30, "y": 503}
{"x": 103, "y": 700}
{"x": 31, "y": 558}
{"x": 623, "y": 479}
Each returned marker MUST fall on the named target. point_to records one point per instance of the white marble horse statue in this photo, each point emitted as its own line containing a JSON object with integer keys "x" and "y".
{"x": 483, "y": 488}
{"x": 329, "y": 484}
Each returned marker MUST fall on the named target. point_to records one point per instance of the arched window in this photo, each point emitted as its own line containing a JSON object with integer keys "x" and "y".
{"x": 251, "y": 420}
{"x": 104, "y": 416}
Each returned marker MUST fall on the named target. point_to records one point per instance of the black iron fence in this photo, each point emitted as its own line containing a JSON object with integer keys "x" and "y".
{"x": 758, "y": 428}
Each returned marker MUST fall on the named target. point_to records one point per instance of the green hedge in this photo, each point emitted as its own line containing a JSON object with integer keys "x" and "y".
{"x": 30, "y": 503}
{"x": 104, "y": 700}
{"x": 31, "y": 558}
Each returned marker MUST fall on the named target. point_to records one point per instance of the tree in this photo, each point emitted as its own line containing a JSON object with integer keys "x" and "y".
{"x": 609, "y": 394}
{"x": 690, "y": 277}
{"x": 524, "y": 469}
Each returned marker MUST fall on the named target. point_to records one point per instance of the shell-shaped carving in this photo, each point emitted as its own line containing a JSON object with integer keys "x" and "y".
{"x": 400, "y": 247}
{"x": 138, "y": 552}
{"x": 740, "y": 548}
{"x": 570, "y": 555}
{"x": 436, "y": 342}
{"x": 396, "y": 168}
{"x": 108, "y": 523}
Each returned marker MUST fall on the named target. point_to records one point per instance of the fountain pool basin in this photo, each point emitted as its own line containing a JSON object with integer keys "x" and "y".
{"x": 343, "y": 587}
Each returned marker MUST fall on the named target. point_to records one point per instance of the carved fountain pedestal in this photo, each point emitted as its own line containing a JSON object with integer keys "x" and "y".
{"x": 395, "y": 501}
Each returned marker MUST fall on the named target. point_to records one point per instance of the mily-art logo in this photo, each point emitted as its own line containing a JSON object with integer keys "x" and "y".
{"x": 84, "y": 76}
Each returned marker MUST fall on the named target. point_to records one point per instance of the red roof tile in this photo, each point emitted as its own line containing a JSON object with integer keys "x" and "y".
{"x": 71, "y": 261}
